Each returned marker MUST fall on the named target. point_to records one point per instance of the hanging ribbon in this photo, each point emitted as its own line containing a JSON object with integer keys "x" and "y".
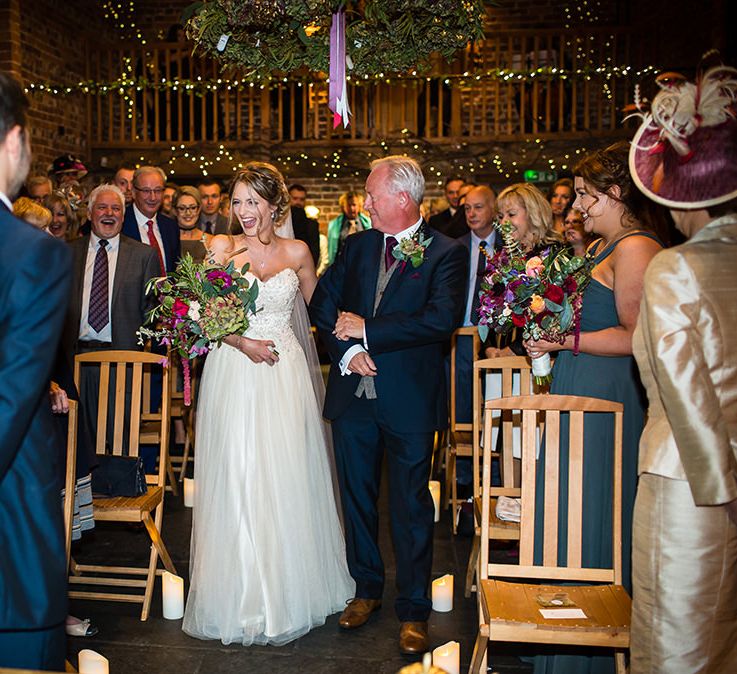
{"x": 338, "y": 91}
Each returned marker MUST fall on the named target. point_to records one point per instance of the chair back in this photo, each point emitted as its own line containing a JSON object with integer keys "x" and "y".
{"x": 469, "y": 331}
{"x": 508, "y": 367}
{"x": 122, "y": 414}
{"x": 551, "y": 407}
{"x": 70, "y": 480}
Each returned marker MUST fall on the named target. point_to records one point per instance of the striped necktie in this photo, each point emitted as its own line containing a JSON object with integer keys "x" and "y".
{"x": 99, "y": 315}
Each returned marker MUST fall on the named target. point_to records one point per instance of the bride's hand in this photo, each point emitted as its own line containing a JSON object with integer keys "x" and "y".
{"x": 258, "y": 350}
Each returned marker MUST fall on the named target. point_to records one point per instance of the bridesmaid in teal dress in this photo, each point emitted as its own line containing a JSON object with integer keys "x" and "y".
{"x": 603, "y": 367}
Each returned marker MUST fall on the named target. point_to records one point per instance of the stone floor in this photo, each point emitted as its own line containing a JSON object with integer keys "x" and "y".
{"x": 159, "y": 646}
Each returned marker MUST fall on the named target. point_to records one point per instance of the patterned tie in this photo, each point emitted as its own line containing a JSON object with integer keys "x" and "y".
{"x": 480, "y": 273}
{"x": 155, "y": 245}
{"x": 99, "y": 316}
{"x": 208, "y": 227}
{"x": 389, "y": 259}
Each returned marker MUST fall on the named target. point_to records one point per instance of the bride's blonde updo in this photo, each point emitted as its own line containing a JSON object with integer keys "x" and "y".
{"x": 266, "y": 181}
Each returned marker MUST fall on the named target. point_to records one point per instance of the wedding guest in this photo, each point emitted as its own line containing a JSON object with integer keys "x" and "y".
{"x": 144, "y": 223}
{"x": 441, "y": 221}
{"x": 32, "y": 212}
{"x": 560, "y": 196}
{"x": 224, "y": 209}
{"x": 34, "y": 290}
{"x": 684, "y": 560}
{"x": 67, "y": 169}
{"x": 352, "y": 219}
{"x": 324, "y": 261}
{"x": 64, "y": 219}
{"x": 167, "y": 199}
{"x": 124, "y": 180}
{"x": 599, "y": 364}
{"x": 211, "y": 221}
{"x": 187, "y": 207}
{"x": 385, "y": 330}
{"x": 39, "y": 187}
{"x": 306, "y": 229}
{"x": 298, "y": 195}
{"x": 574, "y": 232}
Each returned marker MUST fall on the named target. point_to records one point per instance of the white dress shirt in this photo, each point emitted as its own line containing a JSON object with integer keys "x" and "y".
{"x": 141, "y": 221}
{"x": 6, "y": 201}
{"x": 358, "y": 348}
{"x": 86, "y": 332}
{"x": 473, "y": 269}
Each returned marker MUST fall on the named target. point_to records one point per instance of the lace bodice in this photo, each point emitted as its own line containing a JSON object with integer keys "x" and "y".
{"x": 273, "y": 319}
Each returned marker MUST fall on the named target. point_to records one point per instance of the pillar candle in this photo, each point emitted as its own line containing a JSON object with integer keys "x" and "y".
{"x": 172, "y": 588}
{"x": 448, "y": 657}
{"x": 91, "y": 662}
{"x": 435, "y": 493}
{"x": 188, "y": 492}
{"x": 442, "y": 594}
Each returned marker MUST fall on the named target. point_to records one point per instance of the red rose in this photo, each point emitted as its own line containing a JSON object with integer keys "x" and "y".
{"x": 519, "y": 320}
{"x": 180, "y": 308}
{"x": 554, "y": 294}
{"x": 570, "y": 285}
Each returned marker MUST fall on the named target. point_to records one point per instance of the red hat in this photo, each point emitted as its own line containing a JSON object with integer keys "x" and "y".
{"x": 683, "y": 155}
{"x": 68, "y": 164}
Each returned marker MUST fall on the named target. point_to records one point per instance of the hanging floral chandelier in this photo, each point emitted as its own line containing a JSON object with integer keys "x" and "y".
{"x": 271, "y": 38}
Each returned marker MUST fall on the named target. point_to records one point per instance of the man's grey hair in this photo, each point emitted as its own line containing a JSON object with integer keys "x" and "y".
{"x": 145, "y": 170}
{"x": 405, "y": 175}
{"x": 95, "y": 194}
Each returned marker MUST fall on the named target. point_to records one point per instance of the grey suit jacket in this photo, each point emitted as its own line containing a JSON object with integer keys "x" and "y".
{"x": 221, "y": 223}
{"x": 137, "y": 264}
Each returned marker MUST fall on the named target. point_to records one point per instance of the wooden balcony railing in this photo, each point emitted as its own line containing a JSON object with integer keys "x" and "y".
{"x": 168, "y": 96}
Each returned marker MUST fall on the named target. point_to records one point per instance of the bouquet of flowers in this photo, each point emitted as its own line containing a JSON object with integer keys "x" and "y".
{"x": 198, "y": 306}
{"x": 539, "y": 293}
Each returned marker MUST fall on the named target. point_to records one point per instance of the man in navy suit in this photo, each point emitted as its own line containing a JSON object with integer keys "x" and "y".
{"x": 34, "y": 287}
{"x": 384, "y": 322}
{"x": 144, "y": 223}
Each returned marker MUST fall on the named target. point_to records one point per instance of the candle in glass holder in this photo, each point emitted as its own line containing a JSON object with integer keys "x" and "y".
{"x": 188, "y": 492}
{"x": 442, "y": 594}
{"x": 91, "y": 662}
{"x": 172, "y": 589}
{"x": 448, "y": 657}
{"x": 435, "y": 493}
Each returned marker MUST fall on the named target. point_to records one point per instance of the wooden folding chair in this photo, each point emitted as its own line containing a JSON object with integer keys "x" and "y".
{"x": 508, "y": 367}
{"x": 70, "y": 480}
{"x": 459, "y": 443}
{"x": 511, "y": 611}
{"x": 126, "y": 509}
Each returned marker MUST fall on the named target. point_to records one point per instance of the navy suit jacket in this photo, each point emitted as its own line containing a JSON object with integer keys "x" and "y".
{"x": 417, "y": 314}
{"x": 169, "y": 235}
{"x": 34, "y": 290}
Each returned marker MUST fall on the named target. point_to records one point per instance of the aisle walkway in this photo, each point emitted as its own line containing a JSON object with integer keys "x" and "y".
{"x": 159, "y": 646}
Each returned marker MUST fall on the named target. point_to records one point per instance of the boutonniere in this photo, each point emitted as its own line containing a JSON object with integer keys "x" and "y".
{"x": 412, "y": 249}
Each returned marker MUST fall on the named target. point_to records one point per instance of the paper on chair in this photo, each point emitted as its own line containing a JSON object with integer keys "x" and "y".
{"x": 562, "y": 613}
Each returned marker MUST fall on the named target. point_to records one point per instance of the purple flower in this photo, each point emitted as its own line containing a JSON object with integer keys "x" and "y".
{"x": 220, "y": 278}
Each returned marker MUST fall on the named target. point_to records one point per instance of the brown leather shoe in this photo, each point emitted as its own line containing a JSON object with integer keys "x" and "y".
{"x": 413, "y": 638}
{"x": 357, "y": 612}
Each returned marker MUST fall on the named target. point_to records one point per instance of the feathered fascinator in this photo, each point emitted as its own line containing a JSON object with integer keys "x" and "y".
{"x": 684, "y": 155}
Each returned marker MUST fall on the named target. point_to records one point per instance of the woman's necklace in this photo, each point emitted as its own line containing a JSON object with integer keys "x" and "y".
{"x": 261, "y": 263}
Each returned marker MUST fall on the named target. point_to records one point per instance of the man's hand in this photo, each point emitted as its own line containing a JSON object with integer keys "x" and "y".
{"x": 59, "y": 400}
{"x": 362, "y": 364}
{"x": 348, "y": 325}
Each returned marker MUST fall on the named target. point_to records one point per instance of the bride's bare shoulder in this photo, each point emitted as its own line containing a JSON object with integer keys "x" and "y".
{"x": 222, "y": 247}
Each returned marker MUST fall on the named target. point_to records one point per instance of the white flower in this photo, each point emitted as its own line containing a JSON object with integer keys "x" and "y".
{"x": 507, "y": 311}
{"x": 194, "y": 311}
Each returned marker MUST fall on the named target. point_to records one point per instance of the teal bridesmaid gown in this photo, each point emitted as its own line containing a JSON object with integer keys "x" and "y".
{"x": 609, "y": 378}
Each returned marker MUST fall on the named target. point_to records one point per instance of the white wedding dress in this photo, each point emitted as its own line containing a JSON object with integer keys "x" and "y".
{"x": 268, "y": 555}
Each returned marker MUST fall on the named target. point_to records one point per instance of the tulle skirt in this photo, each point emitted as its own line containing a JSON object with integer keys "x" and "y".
{"x": 268, "y": 555}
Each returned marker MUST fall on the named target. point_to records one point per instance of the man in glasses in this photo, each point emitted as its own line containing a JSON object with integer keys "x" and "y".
{"x": 144, "y": 223}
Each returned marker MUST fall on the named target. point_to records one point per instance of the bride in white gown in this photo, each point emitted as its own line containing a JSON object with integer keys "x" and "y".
{"x": 268, "y": 555}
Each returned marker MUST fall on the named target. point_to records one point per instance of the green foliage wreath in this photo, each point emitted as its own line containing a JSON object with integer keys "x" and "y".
{"x": 269, "y": 38}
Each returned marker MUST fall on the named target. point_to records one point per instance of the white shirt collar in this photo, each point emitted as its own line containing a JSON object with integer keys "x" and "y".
{"x": 6, "y": 201}
{"x": 141, "y": 219}
{"x": 405, "y": 233}
{"x": 112, "y": 243}
{"x": 476, "y": 240}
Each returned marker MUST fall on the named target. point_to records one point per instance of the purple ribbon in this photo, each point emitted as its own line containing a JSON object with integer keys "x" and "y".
{"x": 337, "y": 92}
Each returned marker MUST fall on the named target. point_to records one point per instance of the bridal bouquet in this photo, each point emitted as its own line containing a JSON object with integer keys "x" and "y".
{"x": 198, "y": 306}
{"x": 539, "y": 293}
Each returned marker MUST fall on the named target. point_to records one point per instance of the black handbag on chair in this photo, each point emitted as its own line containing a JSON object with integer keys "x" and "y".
{"x": 119, "y": 476}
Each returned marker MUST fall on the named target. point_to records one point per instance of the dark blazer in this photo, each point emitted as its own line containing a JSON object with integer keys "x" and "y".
{"x": 307, "y": 230}
{"x": 169, "y": 235}
{"x": 440, "y": 221}
{"x": 137, "y": 263}
{"x": 34, "y": 290}
{"x": 221, "y": 223}
{"x": 418, "y": 312}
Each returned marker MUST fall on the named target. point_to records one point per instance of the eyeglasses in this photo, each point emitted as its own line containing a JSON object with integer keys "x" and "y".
{"x": 148, "y": 192}
{"x": 187, "y": 209}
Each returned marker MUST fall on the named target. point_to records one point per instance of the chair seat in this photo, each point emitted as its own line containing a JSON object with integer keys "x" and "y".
{"x": 498, "y": 529}
{"x": 461, "y": 443}
{"x": 127, "y": 508}
{"x": 509, "y": 606}
{"x": 150, "y": 433}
